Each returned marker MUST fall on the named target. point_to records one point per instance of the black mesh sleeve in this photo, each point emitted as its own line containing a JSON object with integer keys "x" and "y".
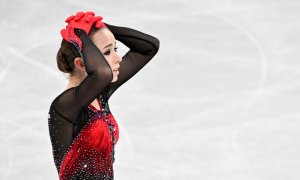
{"x": 142, "y": 48}
{"x": 99, "y": 75}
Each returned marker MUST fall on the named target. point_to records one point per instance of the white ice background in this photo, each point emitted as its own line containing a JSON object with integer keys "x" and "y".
{"x": 220, "y": 100}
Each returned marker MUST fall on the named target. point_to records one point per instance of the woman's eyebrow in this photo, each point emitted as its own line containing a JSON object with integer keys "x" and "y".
{"x": 109, "y": 45}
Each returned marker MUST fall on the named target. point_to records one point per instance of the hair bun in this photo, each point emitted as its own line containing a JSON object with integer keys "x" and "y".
{"x": 65, "y": 57}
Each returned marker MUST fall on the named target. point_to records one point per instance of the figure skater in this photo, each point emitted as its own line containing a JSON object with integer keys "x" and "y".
{"x": 82, "y": 129}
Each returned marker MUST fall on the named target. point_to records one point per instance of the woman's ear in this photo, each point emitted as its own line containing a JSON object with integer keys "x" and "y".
{"x": 79, "y": 63}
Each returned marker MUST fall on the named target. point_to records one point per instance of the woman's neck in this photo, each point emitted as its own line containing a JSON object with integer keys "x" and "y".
{"x": 73, "y": 81}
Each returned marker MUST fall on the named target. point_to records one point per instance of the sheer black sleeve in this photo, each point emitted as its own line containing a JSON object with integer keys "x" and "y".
{"x": 99, "y": 75}
{"x": 142, "y": 48}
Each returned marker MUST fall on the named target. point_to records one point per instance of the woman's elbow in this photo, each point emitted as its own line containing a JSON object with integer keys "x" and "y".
{"x": 156, "y": 44}
{"x": 154, "y": 47}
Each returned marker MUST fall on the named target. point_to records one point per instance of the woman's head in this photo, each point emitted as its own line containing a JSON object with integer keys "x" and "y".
{"x": 69, "y": 60}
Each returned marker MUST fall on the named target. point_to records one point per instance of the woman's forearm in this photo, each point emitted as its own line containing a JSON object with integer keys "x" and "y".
{"x": 135, "y": 40}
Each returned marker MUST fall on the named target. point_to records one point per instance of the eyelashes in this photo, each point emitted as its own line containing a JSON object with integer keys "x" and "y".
{"x": 108, "y": 52}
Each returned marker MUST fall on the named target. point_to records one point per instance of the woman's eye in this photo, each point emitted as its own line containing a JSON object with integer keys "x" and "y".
{"x": 107, "y": 53}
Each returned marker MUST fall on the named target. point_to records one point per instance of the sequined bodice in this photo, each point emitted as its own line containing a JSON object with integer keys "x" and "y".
{"x": 94, "y": 136}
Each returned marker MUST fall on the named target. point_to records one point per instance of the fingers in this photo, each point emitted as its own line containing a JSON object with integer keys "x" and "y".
{"x": 98, "y": 21}
{"x": 99, "y": 24}
{"x": 98, "y": 18}
{"x": 83, "y": 21}
{"x": 87, "y": 19}
{"x": 69, "y": 19}
{"x": 79, "y": 15}
{"x": 90, "y": 13}
{"x": 65, "y": 34}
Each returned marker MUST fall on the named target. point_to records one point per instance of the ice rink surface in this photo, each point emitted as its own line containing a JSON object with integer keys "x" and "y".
{"x": 220, "y": 100}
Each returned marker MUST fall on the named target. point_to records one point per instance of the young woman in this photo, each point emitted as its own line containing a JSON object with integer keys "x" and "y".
{"x": 82, "y": 129}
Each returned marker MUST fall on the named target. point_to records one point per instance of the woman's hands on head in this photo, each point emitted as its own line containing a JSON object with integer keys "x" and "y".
{"x": 80, "y": 25}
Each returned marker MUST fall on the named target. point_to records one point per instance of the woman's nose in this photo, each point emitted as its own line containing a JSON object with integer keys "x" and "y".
{"x": 119, "y": 59}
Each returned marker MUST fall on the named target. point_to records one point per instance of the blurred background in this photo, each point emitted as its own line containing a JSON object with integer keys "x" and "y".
{"x": 220, "y": 100}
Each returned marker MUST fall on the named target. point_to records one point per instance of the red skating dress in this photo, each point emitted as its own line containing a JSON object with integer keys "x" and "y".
{"x": 92, "y": 152}
{"x": 83, "y": 138}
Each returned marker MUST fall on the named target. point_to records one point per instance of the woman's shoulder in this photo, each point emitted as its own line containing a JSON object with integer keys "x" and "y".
{"x": 60, "y": 95}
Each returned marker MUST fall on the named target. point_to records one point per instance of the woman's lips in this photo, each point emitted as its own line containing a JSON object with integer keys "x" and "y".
{"x": 117, "y": 69}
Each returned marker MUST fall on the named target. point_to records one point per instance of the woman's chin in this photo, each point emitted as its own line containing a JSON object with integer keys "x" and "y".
{"x": 114, "y": 79}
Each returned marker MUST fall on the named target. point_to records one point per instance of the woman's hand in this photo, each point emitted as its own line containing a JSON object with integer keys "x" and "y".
{"x": 83, "y": 21}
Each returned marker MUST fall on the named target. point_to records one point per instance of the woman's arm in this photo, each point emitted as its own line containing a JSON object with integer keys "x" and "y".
{"x": 72, "y": 101}
{"x": 143, "y": 48}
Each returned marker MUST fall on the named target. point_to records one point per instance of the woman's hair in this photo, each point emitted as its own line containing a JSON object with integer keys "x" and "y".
{"x": 66, "y": 55}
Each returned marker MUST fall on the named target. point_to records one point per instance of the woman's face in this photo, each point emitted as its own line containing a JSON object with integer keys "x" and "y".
{"x": 106, "y": 42}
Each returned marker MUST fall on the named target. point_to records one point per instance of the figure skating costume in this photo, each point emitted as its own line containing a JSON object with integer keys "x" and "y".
{"x": 83, "y": 138}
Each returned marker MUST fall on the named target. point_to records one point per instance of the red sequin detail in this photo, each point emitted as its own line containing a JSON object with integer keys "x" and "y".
{"x": 90, "y": 152}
